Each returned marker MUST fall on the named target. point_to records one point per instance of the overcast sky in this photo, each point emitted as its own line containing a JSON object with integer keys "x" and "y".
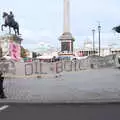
{"x": 42, "y": 20}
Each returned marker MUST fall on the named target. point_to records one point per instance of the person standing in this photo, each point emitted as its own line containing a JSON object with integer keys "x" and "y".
{"x": 2, "y": 94}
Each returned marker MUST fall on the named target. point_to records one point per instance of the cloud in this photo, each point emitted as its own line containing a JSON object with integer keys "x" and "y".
{"x": 32, "y": 38}
{"x": 86, "y": 14}
{"x": 107, "y": 39}
{"x": 44, "y": 22}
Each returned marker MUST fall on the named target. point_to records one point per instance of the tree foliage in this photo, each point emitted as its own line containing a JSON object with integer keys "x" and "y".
{"x": 23, "y": 52}
{"x": 117, "y": 29}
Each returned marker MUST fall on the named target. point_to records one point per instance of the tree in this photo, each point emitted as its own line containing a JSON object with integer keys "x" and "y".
{"x": 116, "y": 29}
{"x": 23, "y": 52}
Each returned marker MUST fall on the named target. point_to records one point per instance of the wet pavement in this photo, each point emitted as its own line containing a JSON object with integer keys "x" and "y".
{"x": 70, "y": 87}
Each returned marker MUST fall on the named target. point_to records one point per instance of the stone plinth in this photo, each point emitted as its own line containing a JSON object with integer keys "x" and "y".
{"x": 10, "y": 45}
{"x": 66, "y": 43}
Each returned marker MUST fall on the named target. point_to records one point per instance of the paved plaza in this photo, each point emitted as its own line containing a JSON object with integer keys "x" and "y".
{"x": 70, "y": 87}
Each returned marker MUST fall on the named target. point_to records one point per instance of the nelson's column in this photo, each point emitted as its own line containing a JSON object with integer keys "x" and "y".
{"x": 66, "y": 38}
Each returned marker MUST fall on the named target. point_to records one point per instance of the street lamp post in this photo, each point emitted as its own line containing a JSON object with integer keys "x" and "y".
{"x": 99, "y": 30}
{"x": 93, "y": 40}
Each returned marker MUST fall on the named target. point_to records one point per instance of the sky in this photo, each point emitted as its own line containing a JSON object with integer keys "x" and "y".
{"x": 42, "y": 20}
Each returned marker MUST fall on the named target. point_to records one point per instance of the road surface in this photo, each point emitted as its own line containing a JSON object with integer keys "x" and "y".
{"x": 60, "y": 112}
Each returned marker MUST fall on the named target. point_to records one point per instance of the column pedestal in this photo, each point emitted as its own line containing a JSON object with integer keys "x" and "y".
{"x": 66, "y": 40}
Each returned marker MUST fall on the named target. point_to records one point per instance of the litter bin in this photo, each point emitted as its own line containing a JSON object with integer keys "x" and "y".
{"x": 119, "y": 60}
{"x": 92, "y": 66}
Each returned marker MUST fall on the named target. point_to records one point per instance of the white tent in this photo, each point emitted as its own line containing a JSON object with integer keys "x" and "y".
{"x": 45, "y": 57}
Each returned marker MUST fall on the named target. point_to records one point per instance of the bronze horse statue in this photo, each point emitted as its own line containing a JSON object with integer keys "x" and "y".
{"x": 10, "y": 22}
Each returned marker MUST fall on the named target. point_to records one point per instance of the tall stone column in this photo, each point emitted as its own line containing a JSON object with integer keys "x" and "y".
{"x": 66, "y": 38}
{"x": 66, "y": 16}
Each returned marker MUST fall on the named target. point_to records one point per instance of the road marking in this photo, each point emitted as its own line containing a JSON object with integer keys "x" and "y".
{"x": 3, "y": 107}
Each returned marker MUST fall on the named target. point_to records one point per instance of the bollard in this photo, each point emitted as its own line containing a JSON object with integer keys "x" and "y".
{"x": 92, "y": 66}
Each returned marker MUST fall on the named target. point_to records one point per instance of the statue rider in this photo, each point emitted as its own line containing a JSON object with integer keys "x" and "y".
{"x": 11, "y": 16}
{"x": 10, "y": 22}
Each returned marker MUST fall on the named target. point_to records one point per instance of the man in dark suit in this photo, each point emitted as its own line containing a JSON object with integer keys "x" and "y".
{"x": 2, "y": 95}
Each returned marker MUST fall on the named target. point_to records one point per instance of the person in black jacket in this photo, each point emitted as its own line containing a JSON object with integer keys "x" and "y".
{"x": 2, "y": 95}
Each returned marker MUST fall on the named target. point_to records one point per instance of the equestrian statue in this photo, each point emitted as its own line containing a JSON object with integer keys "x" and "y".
{"x": 10, "y": 22}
